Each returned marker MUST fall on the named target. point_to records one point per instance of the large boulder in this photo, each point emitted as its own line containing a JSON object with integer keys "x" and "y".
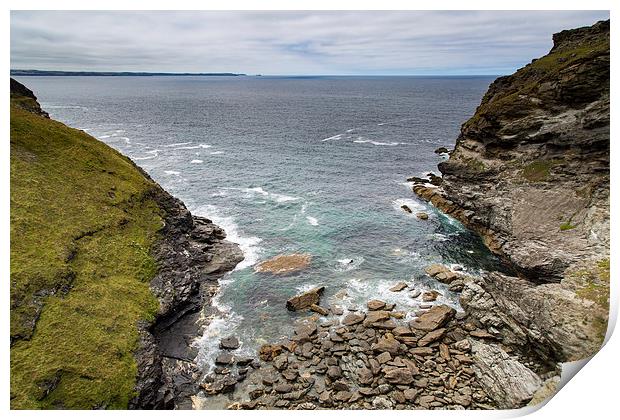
{"x": 436, "y": 317}
{"x": 305, "y": 300}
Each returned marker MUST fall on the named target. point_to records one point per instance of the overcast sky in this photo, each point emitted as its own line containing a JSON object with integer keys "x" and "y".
{"x": 371, "y": 43}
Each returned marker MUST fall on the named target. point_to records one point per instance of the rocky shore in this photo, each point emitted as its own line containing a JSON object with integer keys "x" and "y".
{"x": 380, "y": 358}
{"x": 530, "y": 174}
{"x": 192, "y": 254}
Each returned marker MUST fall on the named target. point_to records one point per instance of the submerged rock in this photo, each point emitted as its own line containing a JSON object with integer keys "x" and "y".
{"x": 283, "y": 264}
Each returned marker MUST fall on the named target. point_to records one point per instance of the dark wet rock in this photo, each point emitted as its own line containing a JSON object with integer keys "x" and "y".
{"x": 224, "y": 358}
{"x": 406, "y": 208}
{"x": 436, "y": 317}
{"x": 305, "y": 300}
{"x": 230, "y": 343}
{"x": 441, "y": 150}
{"x": 399, "y": 287}
{"x": 243, "y": 361}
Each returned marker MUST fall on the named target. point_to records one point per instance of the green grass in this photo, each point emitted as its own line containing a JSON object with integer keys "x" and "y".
{"x": 82, "y": 225}
{"x": 567, "y": 226}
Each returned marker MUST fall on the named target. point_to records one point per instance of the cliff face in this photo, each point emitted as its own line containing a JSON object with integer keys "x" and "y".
{"x": 108, "y": 272}
{"x": 530, "y": 173}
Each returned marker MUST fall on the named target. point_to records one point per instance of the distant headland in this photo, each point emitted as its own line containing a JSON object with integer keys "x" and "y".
{"x": 109, "y": 73}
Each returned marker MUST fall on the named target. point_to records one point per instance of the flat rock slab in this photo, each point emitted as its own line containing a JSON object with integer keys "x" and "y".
{"x": 305, "y": 300}
{"x": 510, "y": 383}
{"x": 436, "y": 317}
{"x": 283, "y": 264}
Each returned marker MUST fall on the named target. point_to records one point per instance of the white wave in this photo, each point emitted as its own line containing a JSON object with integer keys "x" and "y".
{"x": 312, "y": 220}
{"x": 224, "y": 324}
{"x": 279, "y": 198}
{"x": 248, "y": 244}
{"x": 379, "y": 143}
{"x": 105, "y": 136}
{"x": 178, "y": 144}
{"x": 83, "y": 108}
{"x": 216, "y": 153}
{"x": 200, "y": 146}
{"x": 126, "y": 139}
{"x": 348, "y": 264}
{"x": 414, "y": 205}
{"x": 350, "y": 130}
{"x": 143, "y": 157}
{"x": 336, "y": 137}
{"x": 196, "y": 161}
{"x": 172, "y": 172}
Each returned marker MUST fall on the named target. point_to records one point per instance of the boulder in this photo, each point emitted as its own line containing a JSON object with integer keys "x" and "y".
{"x": 353, "y": 318}
{"x": 230, "y": 343}
{"x": 401, "y": 376}
{"x": 401, "y": 285}
{"x": 305, "y": 300}
{"x": 406, "y": 208}
{"x": 376, "y": 316}
{"x": 224, "y": 358}
{"x": 434, "y": 269}
{"x": 375, "y": 305}
{"x": 422, "y": 215}
{"x": 389, "y": 345}
{"x": 434, "y": 318}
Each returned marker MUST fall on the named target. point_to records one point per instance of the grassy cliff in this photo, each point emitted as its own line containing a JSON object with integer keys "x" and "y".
{"x": 82, "y": 224}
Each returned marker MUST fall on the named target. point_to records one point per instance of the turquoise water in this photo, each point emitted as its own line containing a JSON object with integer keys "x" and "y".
{"x": 292, "y": 165}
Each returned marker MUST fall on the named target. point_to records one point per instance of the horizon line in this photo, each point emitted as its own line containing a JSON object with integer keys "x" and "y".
{"x": 226, "y": 73}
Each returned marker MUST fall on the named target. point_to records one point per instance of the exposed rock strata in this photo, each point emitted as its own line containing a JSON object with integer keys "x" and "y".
{"x": 530, "y": 173}
{"x": 192, "y": 255}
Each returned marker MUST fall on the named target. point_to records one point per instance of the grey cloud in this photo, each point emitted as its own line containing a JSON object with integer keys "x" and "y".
{"x": 351, "y": 42}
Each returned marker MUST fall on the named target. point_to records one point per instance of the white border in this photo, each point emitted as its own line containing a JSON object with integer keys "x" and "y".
{"x": 592, "y": 395}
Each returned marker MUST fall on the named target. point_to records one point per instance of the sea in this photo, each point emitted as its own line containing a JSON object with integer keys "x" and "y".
{"x": 313, "y": 165}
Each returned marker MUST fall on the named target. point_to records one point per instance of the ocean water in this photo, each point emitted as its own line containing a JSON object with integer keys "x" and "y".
{"x": 287, "y": 165}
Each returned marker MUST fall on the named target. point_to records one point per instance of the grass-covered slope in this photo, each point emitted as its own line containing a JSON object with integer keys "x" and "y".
{"x": 82, "y": 224}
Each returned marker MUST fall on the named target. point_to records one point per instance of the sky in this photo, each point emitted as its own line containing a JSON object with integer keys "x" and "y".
{"x": 288, "y": 42}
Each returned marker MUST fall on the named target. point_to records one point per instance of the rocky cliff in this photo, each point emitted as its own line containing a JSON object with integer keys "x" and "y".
{"x": 530, "y": 174}
{"x": 108, "y": 273}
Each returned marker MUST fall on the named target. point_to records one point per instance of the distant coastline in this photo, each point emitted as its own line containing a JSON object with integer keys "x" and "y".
{"x": 110, "y": 73}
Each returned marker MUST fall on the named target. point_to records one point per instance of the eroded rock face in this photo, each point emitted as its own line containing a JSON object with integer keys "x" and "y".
{"x": 530, "y": 174}
{"x": 506, "y": 380}
{"x": 192, "y": 255}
